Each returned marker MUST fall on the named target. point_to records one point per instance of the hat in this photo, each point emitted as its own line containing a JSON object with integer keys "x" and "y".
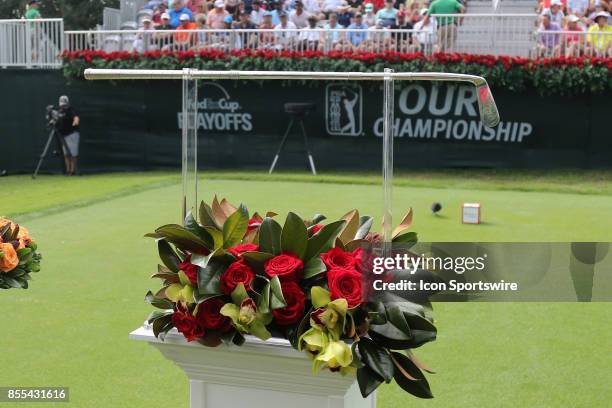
{"x": 556, "y": 3}
{"x": 165, "y": 16}
{"x": 146, "y": 20}
{"x": 369, "y": 6}
{"x": 282, "y": 14}
{"x": 573, "y": 18}
{"x": 219, "y": 3}
{"x": 601, "y": 14}
{"x": 64, "y": 101}
{"x": 184, "y": 17}
{"x": 228, "y": 20}
{"x": 423, "y": 11}
{"x": 546, "y": 13}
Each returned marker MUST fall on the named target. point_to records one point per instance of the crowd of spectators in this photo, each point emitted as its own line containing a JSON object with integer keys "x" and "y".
{"x": 313, "y": 24}
{"x": 574, "y": 28}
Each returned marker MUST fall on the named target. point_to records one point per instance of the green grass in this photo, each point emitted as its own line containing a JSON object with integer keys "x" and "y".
{"x": 70, "y": 328}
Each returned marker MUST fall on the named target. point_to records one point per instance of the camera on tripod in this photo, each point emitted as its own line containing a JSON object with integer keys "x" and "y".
{"x": 52, "y": 116}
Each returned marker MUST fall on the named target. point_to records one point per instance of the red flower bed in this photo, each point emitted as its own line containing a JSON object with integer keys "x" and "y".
{"x": 562, "y": 75}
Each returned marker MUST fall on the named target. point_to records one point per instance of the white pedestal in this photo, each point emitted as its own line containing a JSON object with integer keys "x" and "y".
{"x": 258, "y": 374}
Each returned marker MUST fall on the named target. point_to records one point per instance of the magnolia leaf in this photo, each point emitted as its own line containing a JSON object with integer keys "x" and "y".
{"x": 263, "y": 306}
{"x": 270, "y": 236}
{"x": 206, "y": 216}
{"x": 357, "y": 243}
{"x": 313, "y": 267}
{"x": 323, "y": 240}
{"x": 277, "y": 300}
{"x": 209, "y": 278}
{"x": 159, "y": 303}
{"x": 320, "y": 297}
{"x": 168, "y": 256}
{"x": 294, "y": 237}
{"x": 218, "y": 213}
{"x": 216, "y": 236}
{"x": 182, "y": 238}
{"x": 255, "y": 258}
{"x": 235, "y": 227}
{"x": 365, "y": 223}
{"x": 376, "y": 357}
{"x": 191, "y": 224}
{"x": 351, "y": 226}
{"x": 408, "y": 376}
{"x": 404, "y": 225}
{"x": 407, "y": 238}
{"x": 368, "y": 381}
{"x": 227, "y": 207}
{"x": 162, "y": 325}
{"x": 318, "y": 218}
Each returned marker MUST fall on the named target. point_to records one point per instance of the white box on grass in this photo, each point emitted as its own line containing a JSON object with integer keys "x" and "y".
{"x": 470, "y": 213}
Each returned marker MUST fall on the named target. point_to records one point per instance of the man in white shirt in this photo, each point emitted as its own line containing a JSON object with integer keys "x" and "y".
{"x": 331, "y": 6}
{"x": 257, "y": 13}
{"x": 309, "y": 36}
{"x": 298, "y": 16}
{"x": 285, "y": 40}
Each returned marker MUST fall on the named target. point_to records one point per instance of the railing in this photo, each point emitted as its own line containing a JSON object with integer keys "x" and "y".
{"x": 31, "y": 43}
{"x": 572, "y": 44}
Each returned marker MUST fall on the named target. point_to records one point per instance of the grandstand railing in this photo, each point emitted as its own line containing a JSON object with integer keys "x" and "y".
{"x": 31, "y": 43}
{"x": 552, "y": 44}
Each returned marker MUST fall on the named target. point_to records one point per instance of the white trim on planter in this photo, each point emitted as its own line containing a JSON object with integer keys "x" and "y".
{"x": 258, "y": 374}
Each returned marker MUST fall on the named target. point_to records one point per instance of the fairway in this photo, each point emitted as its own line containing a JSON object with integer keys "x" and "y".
{"x": 78, "y": 312}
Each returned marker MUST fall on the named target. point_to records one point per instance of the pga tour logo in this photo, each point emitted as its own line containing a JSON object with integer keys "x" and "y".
{"x": 343, "y": 109}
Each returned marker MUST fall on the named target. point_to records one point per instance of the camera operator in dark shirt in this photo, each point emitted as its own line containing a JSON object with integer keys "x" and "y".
{"x": 68, "y": 127}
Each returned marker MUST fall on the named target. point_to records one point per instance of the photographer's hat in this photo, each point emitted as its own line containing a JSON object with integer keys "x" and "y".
{"x": 64, "y": 101}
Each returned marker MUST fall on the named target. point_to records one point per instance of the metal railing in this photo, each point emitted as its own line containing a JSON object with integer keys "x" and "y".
{"x": 31, "y": 43}
{"x": 551, "y": 44}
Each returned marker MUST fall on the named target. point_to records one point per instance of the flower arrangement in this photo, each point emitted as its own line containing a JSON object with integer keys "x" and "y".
{"x": 18, "y": 256}
{"x": 231, "y": 274}
{"x": 548, "y": 76}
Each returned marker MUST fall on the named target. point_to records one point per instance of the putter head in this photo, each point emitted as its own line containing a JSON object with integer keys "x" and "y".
{"x": 489, "y": 115}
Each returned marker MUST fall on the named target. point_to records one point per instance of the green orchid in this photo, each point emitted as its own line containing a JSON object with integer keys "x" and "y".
{"x": 313, "y": 340}
{"x": 245, "y": 316}
{"x": 328, "y": 314}
{"x": 337, "y": 356}
{"x": 182, "y": 292}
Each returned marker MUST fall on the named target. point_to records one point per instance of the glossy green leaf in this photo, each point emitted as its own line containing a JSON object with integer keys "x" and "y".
{"x": 376, "y": 357}
{"x": 368, "y": 381}
{"x": 407, "y": 238}
{"x": 255, "y": 258}
{"x": 408, "y": 376}
{"x": 270, "y": 236}
{"x": 277, "y": 300}
{"x": 157, "y": 302}
{"x": 168, "y": 256}
{"x": 182, "y": 238}
{"x": 294, "y": 237}
{"x": 209, "y": 282}
{"x": 206, "y": 217}
{"x": 365, "y": 223}
{"x": 323, "y": 240}
{"x": 235, "y": 227}
{"x": 313, "y": 267}
{"x": 162, "y": 324}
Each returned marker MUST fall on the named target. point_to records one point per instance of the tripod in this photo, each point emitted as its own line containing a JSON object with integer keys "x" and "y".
{"x": 297, "y": 111}
{"x": 52, "y": 135}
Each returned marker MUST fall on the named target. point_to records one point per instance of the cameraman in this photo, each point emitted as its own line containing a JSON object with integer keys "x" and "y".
{"x": 68, "y": 127}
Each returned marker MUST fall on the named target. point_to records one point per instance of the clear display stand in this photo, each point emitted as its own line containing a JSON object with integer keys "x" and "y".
{"x": 222, "y": 377}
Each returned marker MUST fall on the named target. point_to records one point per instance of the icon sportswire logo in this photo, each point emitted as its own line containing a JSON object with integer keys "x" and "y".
{"x": 344, "y": 109}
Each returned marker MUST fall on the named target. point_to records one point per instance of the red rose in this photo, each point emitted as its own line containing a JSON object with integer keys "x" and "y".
{"x": 295, "y": 300}
{"x": 287, "y": 267}
{"x": 242, "y": 248}
{"x": 209, "y": 316}
{"x": 187, "y": 324}
{"x": 253, "y": 224}
{"x": 190, "y": 269}
{"x": 314, "y": 229}
{"x": 238, "y": 272}
{"x": 345, "y": 284}
{"x": 338, "y": 258}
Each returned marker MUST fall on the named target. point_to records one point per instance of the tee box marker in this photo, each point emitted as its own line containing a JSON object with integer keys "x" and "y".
{"x": 470, "y": 213}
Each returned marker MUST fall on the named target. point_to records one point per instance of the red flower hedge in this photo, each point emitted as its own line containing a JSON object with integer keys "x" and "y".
{"x": 563, "y": 75}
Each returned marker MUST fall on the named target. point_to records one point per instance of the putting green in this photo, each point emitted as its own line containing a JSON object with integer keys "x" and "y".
{"x": 70, "y": 328}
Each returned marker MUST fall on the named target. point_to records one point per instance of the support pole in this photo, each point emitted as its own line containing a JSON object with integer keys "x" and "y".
{"x": 189, "y": 143}
{"x": 388, "y": 107}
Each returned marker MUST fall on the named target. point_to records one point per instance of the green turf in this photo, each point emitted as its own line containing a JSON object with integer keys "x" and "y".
{"x": 70, "y": 328}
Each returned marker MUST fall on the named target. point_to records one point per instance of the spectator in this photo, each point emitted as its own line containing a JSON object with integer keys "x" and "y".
{"x": 194, "y": 5}
{"x": 556, "y": 15}
{"x": 313, "y": 8}
{"x": 598, "y": 9}
{"x": 286, "y": 39}
{"x": 183, "y": 40}
{"x": 369, "y": 18}
{"x": 215, "y": 18}
{"x": 577, "y": 7}
{"x": 414, "y": 13}
{"x": 548, "y": 41}
{"x": 245, "y": 22}
{"x": 309, "y": 36}
{"x": 600, "y": 36}
{"x": 401, "y": 22}
{"x": 267, "y": 40}
{"x": 231, "y": 6}
{"x": 357, "y": 37}
{"x": 298, "y": 16}
{"x": 424, "y": 37}
{"x": 447, "y": 26}
{"x": 257, "y": 13}
{"x": 277, "y": 7}
{"x": 345, "y": 14}
{"x": 356, "y": 6}
{"x": 68, "y": 128}
{"x": 178, "y": 9}
{"x": 248, "y": 6}
{"x": 330, "y": 6}
{"x": 573, "y": 42}
{"x": 163, "y": 40}
{"x": 142, "y": 42}
{"x": 387, "y": 15}
{"x": 32, "y": 12}
{"x": 157, "y": 13}
{"x": 332, "y": 36}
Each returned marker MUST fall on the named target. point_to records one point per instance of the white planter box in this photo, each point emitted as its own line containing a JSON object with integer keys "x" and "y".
{"x": 258, "y": 374}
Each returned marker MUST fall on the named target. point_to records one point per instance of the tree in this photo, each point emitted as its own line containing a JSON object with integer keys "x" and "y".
{"x": 77, "y": 14}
